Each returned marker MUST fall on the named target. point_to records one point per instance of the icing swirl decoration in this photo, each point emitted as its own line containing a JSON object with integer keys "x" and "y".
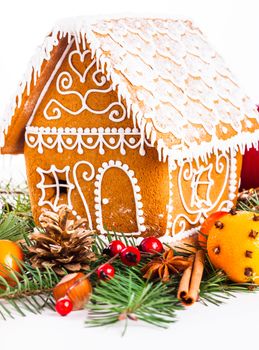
{"x": 199, "y": 207}
{"x": 87, "y": 175}
{"x": 64, "y": 83}
{"x": 99, "y": 78}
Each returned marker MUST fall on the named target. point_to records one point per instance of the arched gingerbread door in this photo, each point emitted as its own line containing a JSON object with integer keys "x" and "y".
{"x": 118, "y": 199}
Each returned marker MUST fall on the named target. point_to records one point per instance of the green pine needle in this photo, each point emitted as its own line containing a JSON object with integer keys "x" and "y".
{"x": 125, "y": 297}
{"x": 16, "y": 201}
{"x": 216, "y": 287}
{"x": 27, "y": 291}
{"x": 13, "y": 227}
{"x": 249, "y": 204}
{"x": 100, "y": 244}
{"x": 128, "y": 296}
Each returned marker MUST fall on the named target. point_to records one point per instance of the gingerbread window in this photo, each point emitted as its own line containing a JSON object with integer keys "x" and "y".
{"x": 55, "y": 187}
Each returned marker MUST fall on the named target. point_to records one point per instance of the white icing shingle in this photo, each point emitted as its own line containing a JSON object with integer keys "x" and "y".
{"x": 187, "y": 82}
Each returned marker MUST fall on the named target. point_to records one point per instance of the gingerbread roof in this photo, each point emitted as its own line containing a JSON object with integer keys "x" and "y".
{"x": 178, "y": 87}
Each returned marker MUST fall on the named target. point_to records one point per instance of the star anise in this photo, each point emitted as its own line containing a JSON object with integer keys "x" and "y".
{"x": 164, "y": 266}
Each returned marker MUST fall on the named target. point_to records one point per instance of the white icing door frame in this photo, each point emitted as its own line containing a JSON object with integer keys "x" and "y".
{"x": 136, "y": 191}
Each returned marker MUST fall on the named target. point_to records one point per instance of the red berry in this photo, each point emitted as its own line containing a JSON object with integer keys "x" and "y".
{"x": 64, "y": 306}
{"x": 130, "y": 256}
{"x": 116, "y": 247}
{"x": 105, "y": 272}
{"x": 151, "y": 245}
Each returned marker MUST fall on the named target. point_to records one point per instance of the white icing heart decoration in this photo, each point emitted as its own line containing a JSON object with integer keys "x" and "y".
{"x": 80, "y": 70}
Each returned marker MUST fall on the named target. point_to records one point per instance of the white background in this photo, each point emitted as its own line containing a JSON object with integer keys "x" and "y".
{"x": 232, "y": 26}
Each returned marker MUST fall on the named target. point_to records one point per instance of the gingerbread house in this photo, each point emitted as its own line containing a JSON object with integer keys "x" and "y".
{"x": 135, "y": 123}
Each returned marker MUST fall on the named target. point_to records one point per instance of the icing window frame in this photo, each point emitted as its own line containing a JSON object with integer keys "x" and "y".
{"x": 62, "y": 188}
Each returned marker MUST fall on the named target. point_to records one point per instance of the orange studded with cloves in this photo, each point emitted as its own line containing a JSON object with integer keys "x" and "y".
{"x": 233, "y": 246}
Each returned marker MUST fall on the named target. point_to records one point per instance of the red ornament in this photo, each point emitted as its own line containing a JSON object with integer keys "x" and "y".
{"x": 64, "y": 306}
{"x": 130, "y": 256}
{"x": 250, "y": 168}
{"x": 116, "y": 247}
{"x": 105, "y": 272}
{"x": 151, "y": 245}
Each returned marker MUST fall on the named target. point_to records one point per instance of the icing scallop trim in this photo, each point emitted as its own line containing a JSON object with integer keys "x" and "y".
{"x": 80, "y": 139}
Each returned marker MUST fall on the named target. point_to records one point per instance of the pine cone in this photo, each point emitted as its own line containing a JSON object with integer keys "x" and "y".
{"x": 62, "y": 243}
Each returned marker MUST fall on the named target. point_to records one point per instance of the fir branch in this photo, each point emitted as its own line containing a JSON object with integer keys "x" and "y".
{"x": 16, "y": 200}
{"x": 127, "y": 296}
{"x": 12, "y": 192}
{"x": 27, "y": 291}
{"x": 248, "y": 200}
{"x": 216, "y": 287}
{"x": 13, "y": 227}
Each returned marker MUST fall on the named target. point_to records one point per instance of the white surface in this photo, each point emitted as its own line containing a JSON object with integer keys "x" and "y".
{"x": 233, "y": 27}
{"x": 234, "y": 325}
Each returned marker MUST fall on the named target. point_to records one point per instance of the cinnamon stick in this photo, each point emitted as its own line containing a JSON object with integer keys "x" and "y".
{"x": 185, "y": 280}
{"x": 190, "y": 282}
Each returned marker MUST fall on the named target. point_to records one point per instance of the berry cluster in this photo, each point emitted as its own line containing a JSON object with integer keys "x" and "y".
{"x": 129, "y": 255}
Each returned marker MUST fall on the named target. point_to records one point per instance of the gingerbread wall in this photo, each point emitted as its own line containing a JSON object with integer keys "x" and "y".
{"x": 199, "y": 188}
{"x": 83, "y": 149}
